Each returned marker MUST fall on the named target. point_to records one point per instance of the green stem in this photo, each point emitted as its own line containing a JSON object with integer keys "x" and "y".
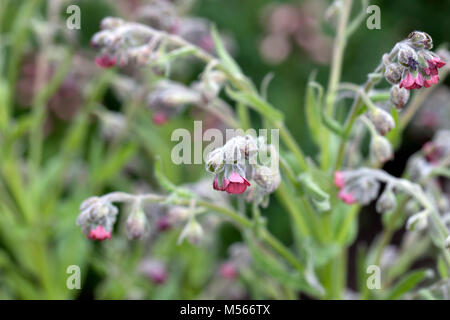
{"x": 335, "y": 72}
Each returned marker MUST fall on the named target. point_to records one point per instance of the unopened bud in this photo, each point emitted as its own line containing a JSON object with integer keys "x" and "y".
{"x": 215, "y": 161}
{"x": 420, "y": 39}
{"x": 386, "y": 202}
{"x": 399, "y": 96}
{"x": 155, "y": 270}
{"x": 177, "y": 213}
{"x": 418, "y": 221}
{"x": 393, "y": 73}
{"x": 407, "y": 57}
{"x": 382, "y": 120}
{"x": 266, "y": 178}
{"x": 136, "y": 224}
{"x": 111, "y": 23}
{"x": 193, "y": 232}
{"x": 380, "y": 149}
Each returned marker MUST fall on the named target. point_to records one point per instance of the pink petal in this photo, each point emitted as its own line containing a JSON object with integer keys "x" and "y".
{"x": 339, "y": 179}
{"x": 236, "y": 188}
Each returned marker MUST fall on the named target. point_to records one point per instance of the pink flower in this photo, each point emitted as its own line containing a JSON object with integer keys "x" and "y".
{"x": 105, "y": 61}
{"x": 410, "y": 82}
{"x": 154, "y": 270}
{"x": 216, "y": 186}
{"x": 347, "y": 197}
{"x": 432, "y": 71}
{"x": 159, "y": 118}
{"x": 163, "y": 223}
{"x": 236, "y": 184}
{"x": 339, "y": 179}
{"x": 99, "y": 233}
{"x": 432, "y": 152}
{"x": 228, "y": 270}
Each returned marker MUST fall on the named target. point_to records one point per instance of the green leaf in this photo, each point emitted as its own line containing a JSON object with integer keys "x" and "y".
{"x": 313, "y": 105}
{"x": 227, "y": 61}
{"x": 278, "y": 271}
{"x": 408, "y": 283}
{"x": 256, "y": 102}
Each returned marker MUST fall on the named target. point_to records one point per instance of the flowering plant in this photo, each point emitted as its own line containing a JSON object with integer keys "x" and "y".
{"x": 168, "y": 223}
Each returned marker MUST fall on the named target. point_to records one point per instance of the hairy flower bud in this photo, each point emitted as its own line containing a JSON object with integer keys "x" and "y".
{"x": 399, "y": 96}
{"x": 382, "y": 120}
{"x": 193, "y": 232}
{"x": 418, "y": 222}
{"x": 111, "y": 23}
{"x": 387, "y": 201}
{"x": 97, "y": 218}
{"x": 154, "y": 270}
{"x": 136, "y": 224}
{"x": 420, "y": 39}
{"x": 393, "y": 73}
{"x": 407, "y": 57}
{"x": 215, "y": 161}
{"x": 267, "y": 178}
{"x": 380, "y": 149}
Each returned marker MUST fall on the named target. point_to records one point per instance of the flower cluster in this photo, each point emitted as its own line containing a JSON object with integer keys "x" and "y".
{"x": 355, "y": 188}
{"x": 97, "y": 218}
{"x": 241, "y": 160}
{"x": 416, "y": 65}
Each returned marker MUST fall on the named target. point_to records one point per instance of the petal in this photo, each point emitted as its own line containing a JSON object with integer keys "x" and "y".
{"x": 235, "y": 177}
{"x": 236, "y": 188}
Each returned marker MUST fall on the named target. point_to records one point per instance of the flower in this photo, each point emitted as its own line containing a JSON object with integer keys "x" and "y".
{"x": 220, "y": 188}
{"x": 159, "y": 118}
{"x": 99, "y": 233}
{"x": 411, "y": 81}
{"x": 339, "y": 179}
{"x": 346, "y": 196}
{"x": 155, "y": 270}
{"x": 105, "y": 61}
{"x": 399, "y": 96}
{"x": 97, "y": 218}
{"x": 236, "y": 184}
{"x": 228, "y": 270}
{"x": 432, "y": 71}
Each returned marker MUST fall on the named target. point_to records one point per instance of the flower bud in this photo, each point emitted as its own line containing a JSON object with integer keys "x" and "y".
{"x": 266, "y": 178}
{"x": 177, "y": 213}
{"x": 399, "y": 96}
{"x": 193, "y": 231}
{"x": 228, "y": 270}
{"x": 111, "y": 23}
{"x": 382, "y": 120}
{"x": 418, "y": 221}
{"x": 393, "y": 73}
{"x": 97, "y": 218}
{"x": 136, "y": 224}
{"x": 447, "y": 242}
{"x": 215, "y": 161}
{"x": 380, "y": 149}
{"x": 420, "y": 39}
{"x": 407, "y": 57}
{"x": 155, "y": 270}
{"x": 387, "y": 201}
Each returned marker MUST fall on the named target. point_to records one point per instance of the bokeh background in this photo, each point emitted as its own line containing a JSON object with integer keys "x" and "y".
{"x": 82, "y": 155}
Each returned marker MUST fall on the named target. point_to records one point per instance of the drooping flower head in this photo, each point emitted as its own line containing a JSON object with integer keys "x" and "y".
{"x": 99, "y": 233}
{"x": 417, "y": 64}
{"x": 105, "y": 61}
{"x": 97, "y": 218}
